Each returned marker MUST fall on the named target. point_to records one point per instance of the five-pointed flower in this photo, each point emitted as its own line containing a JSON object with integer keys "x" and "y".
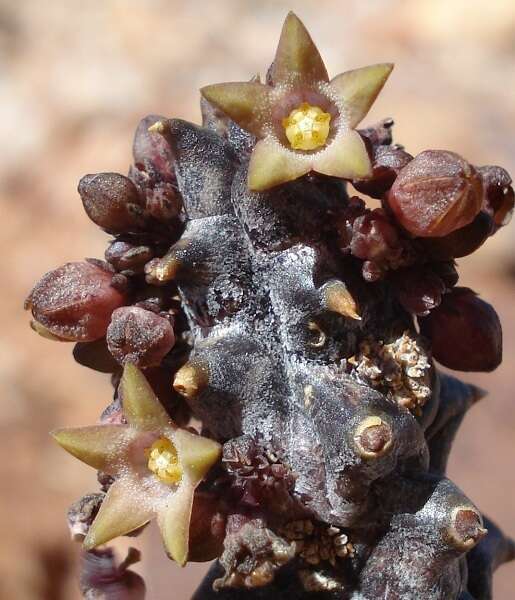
{"x": 156, "y": 467}
{"x": 303, "y": 121}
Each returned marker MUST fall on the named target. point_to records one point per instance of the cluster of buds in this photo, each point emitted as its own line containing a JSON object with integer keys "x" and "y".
{"x": 111, "y": 302}
{"x": 435, "y": 207}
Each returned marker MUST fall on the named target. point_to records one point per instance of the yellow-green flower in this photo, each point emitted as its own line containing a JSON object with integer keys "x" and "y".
{"x": 156, "y": 467}
{"x": 303, "y": 121}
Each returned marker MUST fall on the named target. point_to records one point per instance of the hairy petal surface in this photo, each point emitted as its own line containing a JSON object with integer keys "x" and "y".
{"x": 346, "y": 157}
{"x": 99, "y": 446}
{"x": 174, "y": 523}
{"x": 359, "y": 88}
{"x": 197, "y": 454}
{"x": 140, "y": 405}
{"x": 271, "y": 165}
{"x": 297, "y": 60}
{"x": 246, "y": 103}
{"x": 123, "y": 510}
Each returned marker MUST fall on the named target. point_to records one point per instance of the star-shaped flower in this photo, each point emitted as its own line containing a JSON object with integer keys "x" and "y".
{"x": 156, "y": 467}
{"x": 303, "y": 121}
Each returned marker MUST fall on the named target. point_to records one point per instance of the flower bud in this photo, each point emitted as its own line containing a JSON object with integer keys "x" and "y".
{"x": 139, "y": 336}
{"x": 75, "y": 301}
{"x": 388, "y": 161}
{"x": 375, "y": 238}
{"x": 435, "y": 194}
{"x": 465, "y": 332}
{"x": 123, "y": 255}
{"x": 419, "y": 290}
{"x": 460, "y": 242}
{"x": 151, "y": 151}
{"x": 112, "y": 202}
{"x": 499, "y": 196}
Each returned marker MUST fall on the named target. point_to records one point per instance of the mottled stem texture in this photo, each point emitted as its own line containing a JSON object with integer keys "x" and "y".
{"x": 272, "y": 340}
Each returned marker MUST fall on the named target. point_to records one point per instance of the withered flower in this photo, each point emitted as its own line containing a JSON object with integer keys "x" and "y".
{"x": 304, "y": 121}
{"x": 156, "y": 467}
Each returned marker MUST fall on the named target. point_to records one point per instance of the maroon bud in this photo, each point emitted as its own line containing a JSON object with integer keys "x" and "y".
{"x": 419, "y": 290}
{"x": 465, "y": 332}
{"x": 96, "y": 356}
{"x": 499, "y": 196}
{"x": 460, "y": 242}
{"x": 447, "y": 273}
{"x": 123, "y": 256}
{"x": 151, "y": 151}
{"x": 387, "y": 162}
{"x": 435, "y": 194}
{"x": 374, "y": 237}
{"x": 75, "y": 301}
{"x": 139, "y": 336}
{"x": 112, "y": 202}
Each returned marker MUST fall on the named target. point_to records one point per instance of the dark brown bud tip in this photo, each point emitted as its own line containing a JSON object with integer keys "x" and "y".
{"x": 465, "y": 332}
{"x": 460, "y": 242}
{"x": 112, "y": 202}
{"x": 373, "y": 437}
{"x": 499, "y": 197}
{"x": 435, "y": 194}
{"x": 139, "y": 336}
{"x": 75, "y": 301}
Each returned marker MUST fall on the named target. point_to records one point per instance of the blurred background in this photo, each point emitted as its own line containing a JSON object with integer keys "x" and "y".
{"x": 76, "y": 77}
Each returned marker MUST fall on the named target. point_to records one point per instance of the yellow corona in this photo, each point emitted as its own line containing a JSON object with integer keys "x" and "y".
{"x": 307, "y": 127}
{"x": 163, "y": 461}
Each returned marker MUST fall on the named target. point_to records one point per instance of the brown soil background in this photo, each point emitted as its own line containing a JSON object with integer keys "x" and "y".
{"x": 75, "y": 78}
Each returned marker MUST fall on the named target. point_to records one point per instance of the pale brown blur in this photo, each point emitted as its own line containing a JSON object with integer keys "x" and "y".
{"x": 75, "y": 78}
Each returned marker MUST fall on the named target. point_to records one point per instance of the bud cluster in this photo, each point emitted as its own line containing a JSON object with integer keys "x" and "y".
{"x": 111, "y": 303}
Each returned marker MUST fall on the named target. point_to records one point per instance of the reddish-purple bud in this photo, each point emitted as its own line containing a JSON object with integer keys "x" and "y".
{"x": 435, "y": 194}
{"x": 499, "y": 196}
{"x": 461, "y": 242}
{"x": 151, "y": 151}
{"x": 139, "y": 336}
{"x": 123, "y": 255}
{"x": 112, "y": 202}
{"x": 75, "y": 301}
{"x": 465, "y": 332}
{"x": 418, "y": 289}
{"x": 387, "y": 162}
{"x": 375, "y": 238}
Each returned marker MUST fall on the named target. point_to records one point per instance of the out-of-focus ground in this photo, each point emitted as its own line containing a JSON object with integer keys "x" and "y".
{"x": 75, "y": 78}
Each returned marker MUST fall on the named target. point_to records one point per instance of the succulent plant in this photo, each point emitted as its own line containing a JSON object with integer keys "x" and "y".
{"x": 272, "y": 340}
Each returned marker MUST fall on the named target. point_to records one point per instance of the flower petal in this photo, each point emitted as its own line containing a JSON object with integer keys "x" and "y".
{"x": 271, "y": 164}
{"x": 140, "y": 405}
{"x": 174, "y": 523}
{"x": 99, "y": 446}
{"x": 345, "y": 157}
{"x": 246, "y": 103}
{"x": 359, "y": 88}
{"x": 123, "y": 510}
{"x": 197, "y": 454}
{"x": 297, "y": 59}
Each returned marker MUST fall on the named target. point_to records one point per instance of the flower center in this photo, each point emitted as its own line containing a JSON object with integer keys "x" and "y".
{"x": 164, "y": 462}
{"x": 307, "y": 127}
